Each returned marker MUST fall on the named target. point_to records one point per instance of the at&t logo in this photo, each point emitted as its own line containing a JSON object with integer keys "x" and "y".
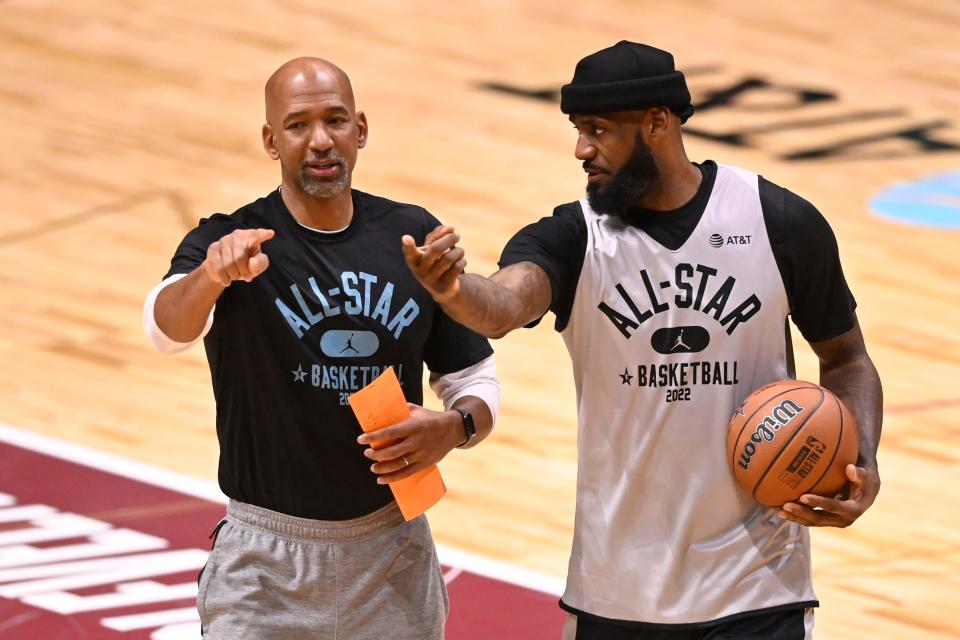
{"x": 716, "y": 240}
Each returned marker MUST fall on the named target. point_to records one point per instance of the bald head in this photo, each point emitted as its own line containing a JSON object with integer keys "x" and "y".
{"x": 313, "y": 128}
{"x": 302, "y": 79}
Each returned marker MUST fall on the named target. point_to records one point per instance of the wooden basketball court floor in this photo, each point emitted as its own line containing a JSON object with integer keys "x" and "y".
{"x": 123, "y": 122}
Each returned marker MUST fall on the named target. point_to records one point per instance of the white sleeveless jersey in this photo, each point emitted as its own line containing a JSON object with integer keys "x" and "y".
{"x": 665, "y": 345}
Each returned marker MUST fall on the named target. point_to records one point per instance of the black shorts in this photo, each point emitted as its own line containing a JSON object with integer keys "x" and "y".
{"x": 789, "y": 624}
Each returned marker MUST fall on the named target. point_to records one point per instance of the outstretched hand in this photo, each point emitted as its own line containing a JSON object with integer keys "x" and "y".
{"x": 237, "y": 256}
{"x": 412, "y": 445}
{"x": 438, "y": 263}
{"x": 817, "y": 511}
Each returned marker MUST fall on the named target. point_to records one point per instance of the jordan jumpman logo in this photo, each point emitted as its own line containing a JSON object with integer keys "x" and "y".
{"x": 679, "y": 342}
{"x": 349, "y": 345}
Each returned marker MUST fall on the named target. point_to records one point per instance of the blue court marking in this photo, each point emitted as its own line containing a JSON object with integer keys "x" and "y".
{"x": 933, "y": 201}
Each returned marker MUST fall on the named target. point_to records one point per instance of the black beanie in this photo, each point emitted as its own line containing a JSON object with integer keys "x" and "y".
{"x": 625, "y": 77}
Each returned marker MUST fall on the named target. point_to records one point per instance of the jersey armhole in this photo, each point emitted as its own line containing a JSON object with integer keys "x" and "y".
{"x": 773, "y": 206}
{"x": 565, "y": 307}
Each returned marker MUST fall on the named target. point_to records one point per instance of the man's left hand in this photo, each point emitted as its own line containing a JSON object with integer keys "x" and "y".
{"x": 413, "y": 445}
{"x": 817, "y": 511}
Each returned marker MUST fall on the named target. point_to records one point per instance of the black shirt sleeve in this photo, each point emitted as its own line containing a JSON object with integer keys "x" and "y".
{"x": 193, "y": 248}
{"x": 452, "y": 347}
{"x": 806, "y": 252}
{"x": 557, "y": 245}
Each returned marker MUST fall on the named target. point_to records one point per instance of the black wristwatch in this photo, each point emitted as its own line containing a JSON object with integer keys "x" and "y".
{"x": 468, "y": 427}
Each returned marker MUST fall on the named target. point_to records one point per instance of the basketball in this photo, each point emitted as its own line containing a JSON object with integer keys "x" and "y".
{"x": 789, "y": 438}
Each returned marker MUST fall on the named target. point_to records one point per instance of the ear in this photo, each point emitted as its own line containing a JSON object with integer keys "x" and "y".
{"x": 657, "y": 122}
{"x": 362, "y": 129}
{"x": 268, "y": 142}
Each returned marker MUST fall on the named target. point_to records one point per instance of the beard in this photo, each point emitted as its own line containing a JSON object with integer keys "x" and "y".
{"x": 324, "y": 187}
{"x": 619, "y": 197}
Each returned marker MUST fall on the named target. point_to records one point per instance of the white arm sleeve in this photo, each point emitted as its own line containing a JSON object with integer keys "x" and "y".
{"x": 479, "y": 380}
{"x": 157, "y": 337}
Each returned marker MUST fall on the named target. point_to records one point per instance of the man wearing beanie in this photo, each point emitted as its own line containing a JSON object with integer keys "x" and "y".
{"x": 671, "y": 283}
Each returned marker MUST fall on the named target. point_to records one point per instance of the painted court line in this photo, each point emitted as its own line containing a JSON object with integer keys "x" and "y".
{"x": 457, "y": 560}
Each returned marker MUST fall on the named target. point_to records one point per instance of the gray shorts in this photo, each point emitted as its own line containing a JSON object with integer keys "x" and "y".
{"x": 277, "y": 577}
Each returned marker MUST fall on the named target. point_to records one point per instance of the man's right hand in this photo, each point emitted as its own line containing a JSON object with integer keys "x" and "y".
{"x": 438, "y": 264}
{"x": 237, "y": 256}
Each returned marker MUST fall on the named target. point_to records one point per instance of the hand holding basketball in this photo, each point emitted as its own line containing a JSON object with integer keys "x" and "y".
{"x": 438, "y": 263}
{"x": 791, "y": 439}
{"x": 237, "y": 256}
{"x": 818, "y": 511}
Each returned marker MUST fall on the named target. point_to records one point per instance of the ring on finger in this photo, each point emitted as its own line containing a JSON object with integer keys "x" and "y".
{"x": 406, "y": 463}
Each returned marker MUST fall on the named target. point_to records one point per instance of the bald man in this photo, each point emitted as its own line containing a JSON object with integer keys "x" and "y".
{"x": 301, "y": 298}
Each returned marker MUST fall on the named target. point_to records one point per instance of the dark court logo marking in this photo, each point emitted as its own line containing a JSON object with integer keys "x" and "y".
{"x": 792, "y": 108}
{"x": 679, "y": 340}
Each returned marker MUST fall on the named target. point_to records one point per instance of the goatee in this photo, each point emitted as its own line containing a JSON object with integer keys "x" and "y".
{"x": 320, "y": 187}
{"x": 619, "y": 197}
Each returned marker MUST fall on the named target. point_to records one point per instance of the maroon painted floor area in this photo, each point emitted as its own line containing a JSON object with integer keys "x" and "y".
{"x": 34, "y": 588}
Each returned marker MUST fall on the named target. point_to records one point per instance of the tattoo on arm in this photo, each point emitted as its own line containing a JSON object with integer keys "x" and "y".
{"x": 509, "y": 299}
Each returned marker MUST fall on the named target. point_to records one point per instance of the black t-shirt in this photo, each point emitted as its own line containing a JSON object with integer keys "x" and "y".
{"x": 286, "y": 350}
{"x": 803, "y": 244}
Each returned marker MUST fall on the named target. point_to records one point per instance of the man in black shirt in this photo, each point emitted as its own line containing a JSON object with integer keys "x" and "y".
{"x": 671, "y": 283}
{"x": 301, "y": 298}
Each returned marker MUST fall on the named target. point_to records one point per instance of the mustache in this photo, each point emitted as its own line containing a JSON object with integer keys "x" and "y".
{"x": 588, "y": 166}
{"x": 327, "y": 157}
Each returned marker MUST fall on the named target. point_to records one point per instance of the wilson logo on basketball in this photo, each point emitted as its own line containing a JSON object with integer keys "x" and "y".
{"x": 781, "y": 416}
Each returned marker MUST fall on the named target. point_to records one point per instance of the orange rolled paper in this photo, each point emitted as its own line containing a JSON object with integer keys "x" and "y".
{"x": 381, "y": 404}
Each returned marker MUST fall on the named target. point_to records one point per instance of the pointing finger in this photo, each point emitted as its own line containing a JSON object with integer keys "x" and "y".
{"x": 410, "y": 251}
{"x": 437, "y": 233}
{"x": 436, "y": 249}
{"x": 258, "y": 264}
{"x": 452, "y": 256}
{"x": 262, "y": 235}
